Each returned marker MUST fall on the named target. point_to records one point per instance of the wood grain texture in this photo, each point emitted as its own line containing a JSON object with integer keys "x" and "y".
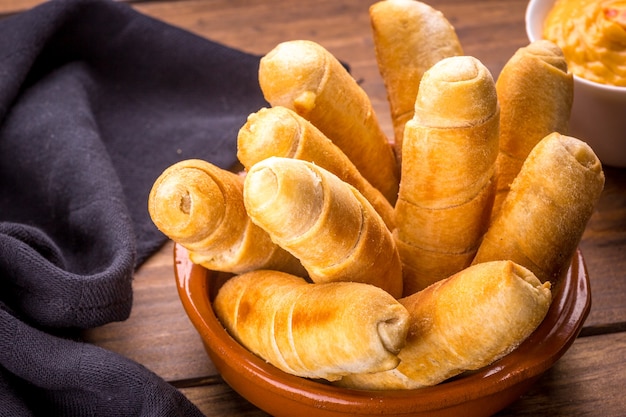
{"x": 218, "y": 399}
{"x": 588, "y": 380}
{"x": 604, "y": 247}
{"x": 577, "y": 385}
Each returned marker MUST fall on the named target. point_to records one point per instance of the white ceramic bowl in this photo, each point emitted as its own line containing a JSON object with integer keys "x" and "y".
{"x": 599, "y": 111}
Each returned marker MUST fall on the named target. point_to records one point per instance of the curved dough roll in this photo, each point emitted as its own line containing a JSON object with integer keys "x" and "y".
{"x": 409, "y": 38}
{"x": 448, "y": 171}
{"x": 313, "y": 330}
{"x": 463, "y": 323}
{"x": 279, "y": 131}
{"x": 303, "y": 76}
{"x": 535, "y": 93}
{"x": 200, "y": 206}
{"x": 544, "y": 215}
{"x": 324, "y": 222}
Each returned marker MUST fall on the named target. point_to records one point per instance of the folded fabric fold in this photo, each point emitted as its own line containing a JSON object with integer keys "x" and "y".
{"x": 96, "y": 100}
{"x": 57, "y": 376}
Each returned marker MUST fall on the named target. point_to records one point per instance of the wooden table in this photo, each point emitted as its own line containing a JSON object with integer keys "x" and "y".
{"x": 588, "y": 380}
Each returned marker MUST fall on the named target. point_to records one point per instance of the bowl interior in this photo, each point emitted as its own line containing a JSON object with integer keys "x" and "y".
{"x": 480, "y": 393}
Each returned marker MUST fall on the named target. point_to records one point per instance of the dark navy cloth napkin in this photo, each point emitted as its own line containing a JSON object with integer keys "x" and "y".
{"x": 96, "y": 100}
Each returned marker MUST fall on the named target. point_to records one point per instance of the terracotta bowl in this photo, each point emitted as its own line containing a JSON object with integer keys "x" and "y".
{"x": 481, "y": 393}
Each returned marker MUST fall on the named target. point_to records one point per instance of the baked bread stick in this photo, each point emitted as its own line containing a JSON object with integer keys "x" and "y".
{"x": 463, "y": 323}
{"x": 448, "y": 171}
{"x": 535, "y": 93}
{"x": 313, "y": 330}
{"x": 544, "y": 215}
{"x": 200, "y": 206}
{"x": 409, "y": 38}
{"x": 279, "y": 131}
{"x": 303, "y": 76}
{"x": 324, "y": 222}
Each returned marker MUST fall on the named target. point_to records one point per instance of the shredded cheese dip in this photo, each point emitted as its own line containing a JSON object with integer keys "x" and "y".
{"x": 592, "y": 35}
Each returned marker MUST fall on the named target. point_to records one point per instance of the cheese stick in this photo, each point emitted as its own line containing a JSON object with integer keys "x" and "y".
{"x": 279, "y": 131}
{"x": 313, "y": 330}
{"x": 409, "y": 38}
{"x": 544, "y": 215}
{"x": 324, "y": 222}
{"x": 200, "y": 206}
{"x": 448, "y": 171}
{"x": 463, "y": 323}
{"x": 304, "y": 77}
{"x": 535, "y": 93}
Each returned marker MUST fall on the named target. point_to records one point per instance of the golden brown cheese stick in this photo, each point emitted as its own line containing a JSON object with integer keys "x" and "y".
{"x": 544, "y": 215}
{"x": 463, "y": 323}
{"x": 323, "y": 221}
{"x": 313, "y": 330}
{"x": 409, "y": 38}
{"x": 535, "y": 93}
{"x": 279, "y": 131}
{"x": 303, "y": 76}
{"x": 200, "y": 206}
{"x": 448, "y": 171}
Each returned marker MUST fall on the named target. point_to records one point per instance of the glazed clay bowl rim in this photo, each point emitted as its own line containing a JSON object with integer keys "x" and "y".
{"x": 485, "y": 391}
